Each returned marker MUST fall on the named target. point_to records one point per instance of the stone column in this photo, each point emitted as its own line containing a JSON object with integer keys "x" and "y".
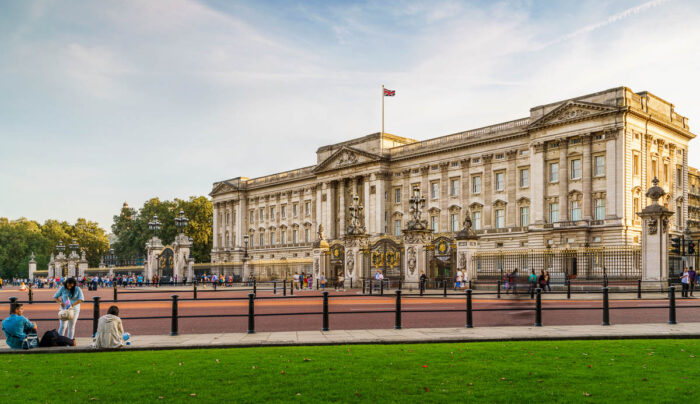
{"x": 655, "y": 236}
{"x": 487, "y": 191}
{"x": 512, "y": 185}
{"x": 613, "y": 166}
{"x": 587, "y": 177}
{"x": 563, "y": 180}
{"x": 333, "y": 230}
{"x": 353, "y": 258}
{"x": 341, "y": 208}
{"x": 406, "y": 192}
{"x": 444, "y": 217}
{"x": 215, "y": 220}
{"x": 467, "y": 245}
{"x": 153, "y": 248}
{"x": 379, "y": 205}
{"x": 190, "y": 269}
{"x": 82, "y": 265}
{"x": 365, "y": 202}
{"x": 414, "y": 243}
{"x": 319, "y": 206}
{"x": 181, "y": 250}
{"x": 32, "y": 267}
{"x": 320, "y": 263}
{"x": 538, "y": 182}
{"x": 465, "y": 196}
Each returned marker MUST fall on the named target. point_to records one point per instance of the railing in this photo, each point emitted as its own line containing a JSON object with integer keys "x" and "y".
{"x": 325, "y": 313}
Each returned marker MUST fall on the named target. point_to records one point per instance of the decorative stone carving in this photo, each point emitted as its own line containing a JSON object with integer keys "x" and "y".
{"x": 321, "y": 233}
{"x": 421, "y": 236}
{"x": 652, "y": 226}
{"x": 355, "y": 227}
{"x": 350, "y": 262}
{"x": 417, "y": 203}
{"x": 462, "y": 263}
{"x": 347, "y": 158}
{"x": 467, "y": 231}
{"x": 411, "y": 260}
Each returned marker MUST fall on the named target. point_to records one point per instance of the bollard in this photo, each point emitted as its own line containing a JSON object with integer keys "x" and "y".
{"x": 31, "y": 294}
{"x": 13, "y": 299}
{"x": 274, "y": 287}
{"x": 381, "y": 287}
{"x": 115, "y": 292}
{"x": 251, "y": 313}
{"x": 370, "y": 287}
{"x": 397, "y": 322}
{"x": 363, "y": 286}
{"x": 350, "y": 283}
{"x": 325, "y": 311}
{"x": 291, "y": 288}
{"x": 498, "y": 289}
{"x": 399, "y": 284}
{"x": 639, "y": 288}
{"x": 672, "y": 305}
{"x": 421, "y": 286}
{"x": 532, "y": 292}
{"x": 444, "y": 288}
{"x": 606, "y": 307}
{"x": 470, "y": 284}
{"x": 284, "y": 288}
{"x": 538, "y": 308}
{"x": 95, "y": 313}
{"x": 469, "y": 309}
{"x": 255, "y": 287}
{"x": 194, "y": 290}
{"x": 568, "y": 288}
{"x": 173, "y": 321}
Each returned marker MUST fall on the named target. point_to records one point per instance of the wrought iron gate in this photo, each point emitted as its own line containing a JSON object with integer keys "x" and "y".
{"x": 385, "y": 255}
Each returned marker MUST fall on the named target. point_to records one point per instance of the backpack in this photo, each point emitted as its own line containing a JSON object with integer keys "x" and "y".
{"x": 52, "y": 338}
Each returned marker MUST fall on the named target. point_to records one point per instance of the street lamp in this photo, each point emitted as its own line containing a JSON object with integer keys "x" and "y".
{"x": 73, "y": 246}
{"x": 181, "y": 222}
{"x": 60, "y": 247}
{"x": 245, "y": 246}
{"x": 154, "y": 225}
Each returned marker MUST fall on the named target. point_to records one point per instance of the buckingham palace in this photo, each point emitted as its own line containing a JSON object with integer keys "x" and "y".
{"x": 570, "y": 175}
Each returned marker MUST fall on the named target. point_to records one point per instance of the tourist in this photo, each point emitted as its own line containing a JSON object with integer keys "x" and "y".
{"x": 322, "y": 281}
{"x": 110, "y": 332}
{"x": 692, "y": 277}
{"x": 306, "y": 281}
{"x": 69, "y": 296}
{"x": 379, "y": 278}
{"x": 341, "y": 282}
{"x": 512, "y": 281}
{"x": 20, "y": 333}
{"x": 542, "y": 281}
{"x": 458, "y": 279}
{"x": 423, "y": 279}
{"x": 685, "y": 281}
{"x": 546, "y": 281}
{"x": 532, "y": 282}
{"x": 296, "y": 280}
{"x": 311, "y": 281}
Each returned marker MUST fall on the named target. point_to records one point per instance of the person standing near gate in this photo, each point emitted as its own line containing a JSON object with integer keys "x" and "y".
{"x": 69, "y": 296}
{"x": 422, "y": 281}
{"x": 685, "y": 281}
{"x": 458, "y": 279}
{"x": 295, "y": 278}
{"x": 532, "y": 282}
{"x": 692, "y": 277}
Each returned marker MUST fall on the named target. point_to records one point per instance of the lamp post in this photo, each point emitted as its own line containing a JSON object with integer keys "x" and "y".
{"x": 246, "y": 273}
{"x": 154, "y": 225}
{"x": 181, "y": 221}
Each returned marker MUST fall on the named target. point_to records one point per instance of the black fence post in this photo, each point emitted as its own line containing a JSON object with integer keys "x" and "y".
{"x": 397, "y": 322}
{"x": 95, "y": 313}
{"x": 639, "y": 288}
{"x": 194, "y": 290}
{"x": 291, "y": 287}
{"x": 672, "y": 305}
{"x": 444, "y": 288}
{"x": 606, "y": 307}
{"x": 421, "y": 286}
{"x": 284, "y": 287}
{"x": 255, "y": 286}
{"x": 370, "y": 286}
{"x": 498, "y": 289}
{"x": 350, "y": 283}
{"x": 532, "y": 292}
{"x": 325, "y": 311}
{"x": 470, "y": 323}
{"x": 30, "y": 293}
{"x": 363, "y": 286}
{"x": 399, "y": 283}
{"x": 381, "y": 287}
{"x": 568, "y": 288}
{"x": 13, "y": 299}
{"x": 251, "y": 313}
{"x": 173, "y": 321}
{"x": 115, "y": 292}
{"x": 274, "y": 287}
{"x": 538, "y": 308}
{"x": 470, "y": 284}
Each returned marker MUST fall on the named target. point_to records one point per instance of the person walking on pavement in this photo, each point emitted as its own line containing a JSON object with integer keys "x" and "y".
{"x": 546, "y": 281}
{"x": 532, "y": 282}
{"x": 542, "y": 281}
{"x": 685, "y": 281}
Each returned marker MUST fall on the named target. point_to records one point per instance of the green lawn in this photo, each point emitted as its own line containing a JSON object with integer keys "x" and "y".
{"x": 561, "y": 371}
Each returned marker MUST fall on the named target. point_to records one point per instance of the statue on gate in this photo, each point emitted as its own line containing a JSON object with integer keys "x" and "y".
{"x": 417, "y": 202}
{"x": 355, "y": 228}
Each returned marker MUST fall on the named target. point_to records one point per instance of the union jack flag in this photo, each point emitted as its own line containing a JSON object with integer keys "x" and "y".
{"x": 389, "y": 93}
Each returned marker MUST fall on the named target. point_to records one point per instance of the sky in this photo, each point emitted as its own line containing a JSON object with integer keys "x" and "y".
{"x": 106, "y": 102}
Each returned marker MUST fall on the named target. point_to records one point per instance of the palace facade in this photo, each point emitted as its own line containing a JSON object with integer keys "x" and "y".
{"x": 573, "y": 174}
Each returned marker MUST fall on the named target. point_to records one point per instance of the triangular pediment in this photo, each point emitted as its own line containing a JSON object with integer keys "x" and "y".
{"x": 344, "y": 157}
{"x": 222, "y": 188}
{"x": 573, "y": 111}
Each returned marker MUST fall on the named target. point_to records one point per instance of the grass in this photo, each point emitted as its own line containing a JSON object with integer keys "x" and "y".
{"x": 559, "y": 371}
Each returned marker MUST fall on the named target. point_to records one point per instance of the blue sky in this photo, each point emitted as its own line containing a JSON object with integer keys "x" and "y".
{"x": 105, "y": 102}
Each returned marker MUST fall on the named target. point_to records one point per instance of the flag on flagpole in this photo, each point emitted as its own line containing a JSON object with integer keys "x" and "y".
{"x": 389, "y": 93}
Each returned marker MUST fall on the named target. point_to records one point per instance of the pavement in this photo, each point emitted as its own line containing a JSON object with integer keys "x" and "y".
{"x": 391, "y": 336}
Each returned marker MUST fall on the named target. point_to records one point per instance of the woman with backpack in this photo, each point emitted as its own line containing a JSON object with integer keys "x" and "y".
{"x": 69, "y": 296}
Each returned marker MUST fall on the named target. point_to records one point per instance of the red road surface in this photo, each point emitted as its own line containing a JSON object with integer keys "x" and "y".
{"x": 518, "y": 312}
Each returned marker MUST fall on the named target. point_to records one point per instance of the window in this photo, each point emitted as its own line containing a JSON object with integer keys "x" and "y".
{"x": 635, "y": 163}
{"x": 599, "y": 166}
{"x": 500, "y": 218}
{"x": 636, "y": 206}
{"x": 397, "y": 195}
{"x": 476, "y": 220}
{"x": 283, "y": 237}
{"x": 262, "y": 214}
{"x": 283, "y": 211}
{"x": 454, "y": 187}
{"x": 307, "y": 235}
{"x": 272, "y": 213}
{"x": 252, "y": 216}
{"x": 576, "y": 169}
{"x": 434, "y": 186}
{"x": 679, "y": 177}
{"x": 524, "y": 216}
{"x": 397, "y": 227}
{"x": 272, "y": 238}
{"x": 599, "y": 209}
{"x": 679, "y": 215}
{"x": 454, "y": 222}
{"x": 307, "y": 208}
{"x": 500, "y": 181}
{"x": 666, "y": 172}
{"x": 654, "y": 173}
{"x": 294, "y": 236}
{"x": 524, "y": 178}
{"x": 262, "y": 239}
{"x": 476, "y": 184}
{"x": 554, "y": 172}
{"x": 295, "y": 210}
{"x": 434, "y": 223}
{"x": 575, "y": 210}
{"x": 553, "y": 212}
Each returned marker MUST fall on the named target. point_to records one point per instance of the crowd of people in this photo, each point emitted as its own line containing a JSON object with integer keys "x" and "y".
{"x": 21, "y": 333}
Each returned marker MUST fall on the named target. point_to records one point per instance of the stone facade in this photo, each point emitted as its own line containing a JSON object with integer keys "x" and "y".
{"x": 572, "y": 174}
{"x": 694, "y": 200}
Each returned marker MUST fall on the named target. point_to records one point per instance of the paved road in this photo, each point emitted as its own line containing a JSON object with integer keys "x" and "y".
{"x": 351, "y": 308}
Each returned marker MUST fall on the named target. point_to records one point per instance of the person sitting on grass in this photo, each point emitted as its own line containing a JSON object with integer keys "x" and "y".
{"x": 17, "y": 328}
{"x": 110, "y": 332}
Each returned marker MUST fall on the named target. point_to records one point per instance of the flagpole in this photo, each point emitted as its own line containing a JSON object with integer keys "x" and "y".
{"x": 382, "y": 109}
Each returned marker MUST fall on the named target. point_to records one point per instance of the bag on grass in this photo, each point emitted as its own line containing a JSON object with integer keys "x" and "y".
{"x": 31, "y": 341}
{"x": 52, "y": 338}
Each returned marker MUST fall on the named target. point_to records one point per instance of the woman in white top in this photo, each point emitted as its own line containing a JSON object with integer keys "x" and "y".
{"x": 685, "y": 280}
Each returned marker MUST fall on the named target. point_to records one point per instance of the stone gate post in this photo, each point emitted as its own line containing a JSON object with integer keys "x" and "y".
{"x": 467, "y": 244}
{"x": 32, "y": 267}
{"x": 655, "y": 236}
